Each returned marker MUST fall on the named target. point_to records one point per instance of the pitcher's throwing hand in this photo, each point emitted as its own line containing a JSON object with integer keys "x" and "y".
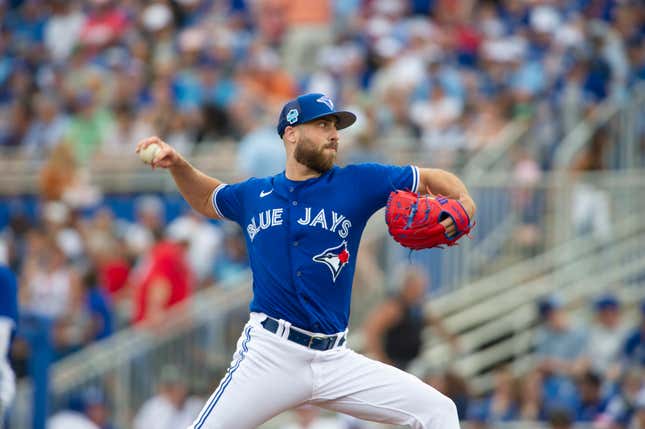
{"x": 165, "y": 157}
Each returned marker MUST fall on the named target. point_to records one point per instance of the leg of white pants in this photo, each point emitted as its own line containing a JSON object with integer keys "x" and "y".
{"x": 351, "y": 383}
{"x": 268, "y": 375}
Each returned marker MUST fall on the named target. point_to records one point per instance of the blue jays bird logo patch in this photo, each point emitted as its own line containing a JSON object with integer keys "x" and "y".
{"x": 335, "y": 258}
{"x": 327, "y": 101}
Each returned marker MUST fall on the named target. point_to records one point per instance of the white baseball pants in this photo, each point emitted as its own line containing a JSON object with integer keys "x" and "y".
{"x": 270, "y": 374}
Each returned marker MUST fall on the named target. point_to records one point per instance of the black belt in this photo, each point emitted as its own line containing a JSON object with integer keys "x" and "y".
{"x": 316, "y": 342}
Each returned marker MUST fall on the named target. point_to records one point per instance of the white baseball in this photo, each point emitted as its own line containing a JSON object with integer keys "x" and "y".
{"x": 149, "y": 152}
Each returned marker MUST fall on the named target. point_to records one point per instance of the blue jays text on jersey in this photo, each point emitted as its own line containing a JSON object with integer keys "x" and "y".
{"x": 273, "y": 217}
{"x": 303, "y": 237}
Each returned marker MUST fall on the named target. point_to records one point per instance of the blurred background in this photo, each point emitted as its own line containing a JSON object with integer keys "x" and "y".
{"x": 130, "y": 303}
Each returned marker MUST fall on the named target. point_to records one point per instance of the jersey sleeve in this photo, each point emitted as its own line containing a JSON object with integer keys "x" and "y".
{"x": 228, "y": 201}
{"x": 378, "y": 180}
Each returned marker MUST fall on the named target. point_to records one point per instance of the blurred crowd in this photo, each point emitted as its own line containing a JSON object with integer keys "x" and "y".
{"x": 83, "y": 80}
{"x": 440, "y": 76}
{"x": 90, "y": 274}
{"x": 587, "y": 371}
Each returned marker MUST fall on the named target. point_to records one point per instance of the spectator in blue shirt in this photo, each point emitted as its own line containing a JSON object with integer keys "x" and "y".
{"x": 99, "y": 308}
{"x": 8, "y": 321}
{"x": 558, "y": 345}
{"x": 592, "y": 403}
{"x": 502, "y": 404}
{"x": 634, "y": 348}
{"x": 48, "y": 127}
{"x": 638, "y": 420}
{"x": 233, "y": 262}
{"x": 606, "y": 337}
{"x": 622, "y": 405}
{"x": 559, "y": 349}
{"x": 88, "y": 319}
{"x": 96, "y": 407}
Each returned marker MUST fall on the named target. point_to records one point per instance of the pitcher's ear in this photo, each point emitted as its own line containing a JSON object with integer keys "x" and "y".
{"x": 290, "y": 134}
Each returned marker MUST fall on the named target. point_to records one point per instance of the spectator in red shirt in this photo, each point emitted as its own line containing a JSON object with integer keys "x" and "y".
{"x": 164, "y": 280}
{"x": 106, "y": 23}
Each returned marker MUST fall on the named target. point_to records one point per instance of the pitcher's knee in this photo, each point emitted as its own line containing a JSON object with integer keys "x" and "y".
{"x": 441, "y": 414}
{"x": 451, "y": 408}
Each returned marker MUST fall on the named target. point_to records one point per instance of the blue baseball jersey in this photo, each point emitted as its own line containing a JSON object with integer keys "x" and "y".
{"x": 302, "y": 237}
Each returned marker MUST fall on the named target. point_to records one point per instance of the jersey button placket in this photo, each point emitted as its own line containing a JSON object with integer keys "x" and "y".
{"x": 295, "y": 243}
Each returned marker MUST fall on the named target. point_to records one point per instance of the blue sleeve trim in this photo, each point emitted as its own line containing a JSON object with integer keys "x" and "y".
{"x": 415, "y": 178}
{"x": 214, "y": 200}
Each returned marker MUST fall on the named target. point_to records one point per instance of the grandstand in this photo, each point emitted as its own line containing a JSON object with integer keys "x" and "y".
{"x": 539, "y": 105}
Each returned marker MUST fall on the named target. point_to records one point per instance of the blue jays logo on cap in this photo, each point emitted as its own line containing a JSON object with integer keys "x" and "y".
{"x": 335, "y": 258}
{"x": 326, "y": 100}
{"x": 309, "y": 107}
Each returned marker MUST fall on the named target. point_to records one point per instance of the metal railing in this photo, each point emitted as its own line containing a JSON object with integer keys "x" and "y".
{"x": 509, "y": 316}
{"x": 552, "y": 260}
{"x": 493, "y": 158}
{"x": 623, "y": 121}
{"x": 123, "y": 173}
{"x": 198, "y": 338}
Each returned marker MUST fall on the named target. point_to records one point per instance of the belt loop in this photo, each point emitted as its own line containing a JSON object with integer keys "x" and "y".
{"x": 286, "y": 327}
{"x": 340, "y": 337}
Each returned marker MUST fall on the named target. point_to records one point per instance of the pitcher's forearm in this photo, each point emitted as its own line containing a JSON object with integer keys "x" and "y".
{"x": 443, "y": 182}
{"x": 195, "y": 186}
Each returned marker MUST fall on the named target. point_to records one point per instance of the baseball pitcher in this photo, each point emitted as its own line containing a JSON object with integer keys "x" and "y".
{"x": 302, "y": 229}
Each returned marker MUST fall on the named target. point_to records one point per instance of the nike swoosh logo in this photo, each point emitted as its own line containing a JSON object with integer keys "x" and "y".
{"x": 264, "y": 194}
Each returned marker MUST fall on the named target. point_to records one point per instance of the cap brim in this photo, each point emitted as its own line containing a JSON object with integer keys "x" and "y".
{"x": 344, "y": 118}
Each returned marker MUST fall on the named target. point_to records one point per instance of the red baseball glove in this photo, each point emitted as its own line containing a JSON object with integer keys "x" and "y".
{"x": 414, "y": 220}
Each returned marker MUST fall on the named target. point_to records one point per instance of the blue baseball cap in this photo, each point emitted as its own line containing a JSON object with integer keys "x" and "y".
{"x": 308, "y": 107}
{"x": 606, "y": 302}
{"x": 547, "y": 304}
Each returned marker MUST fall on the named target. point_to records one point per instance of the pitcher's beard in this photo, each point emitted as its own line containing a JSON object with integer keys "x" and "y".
{"x": 307, "y": 154}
